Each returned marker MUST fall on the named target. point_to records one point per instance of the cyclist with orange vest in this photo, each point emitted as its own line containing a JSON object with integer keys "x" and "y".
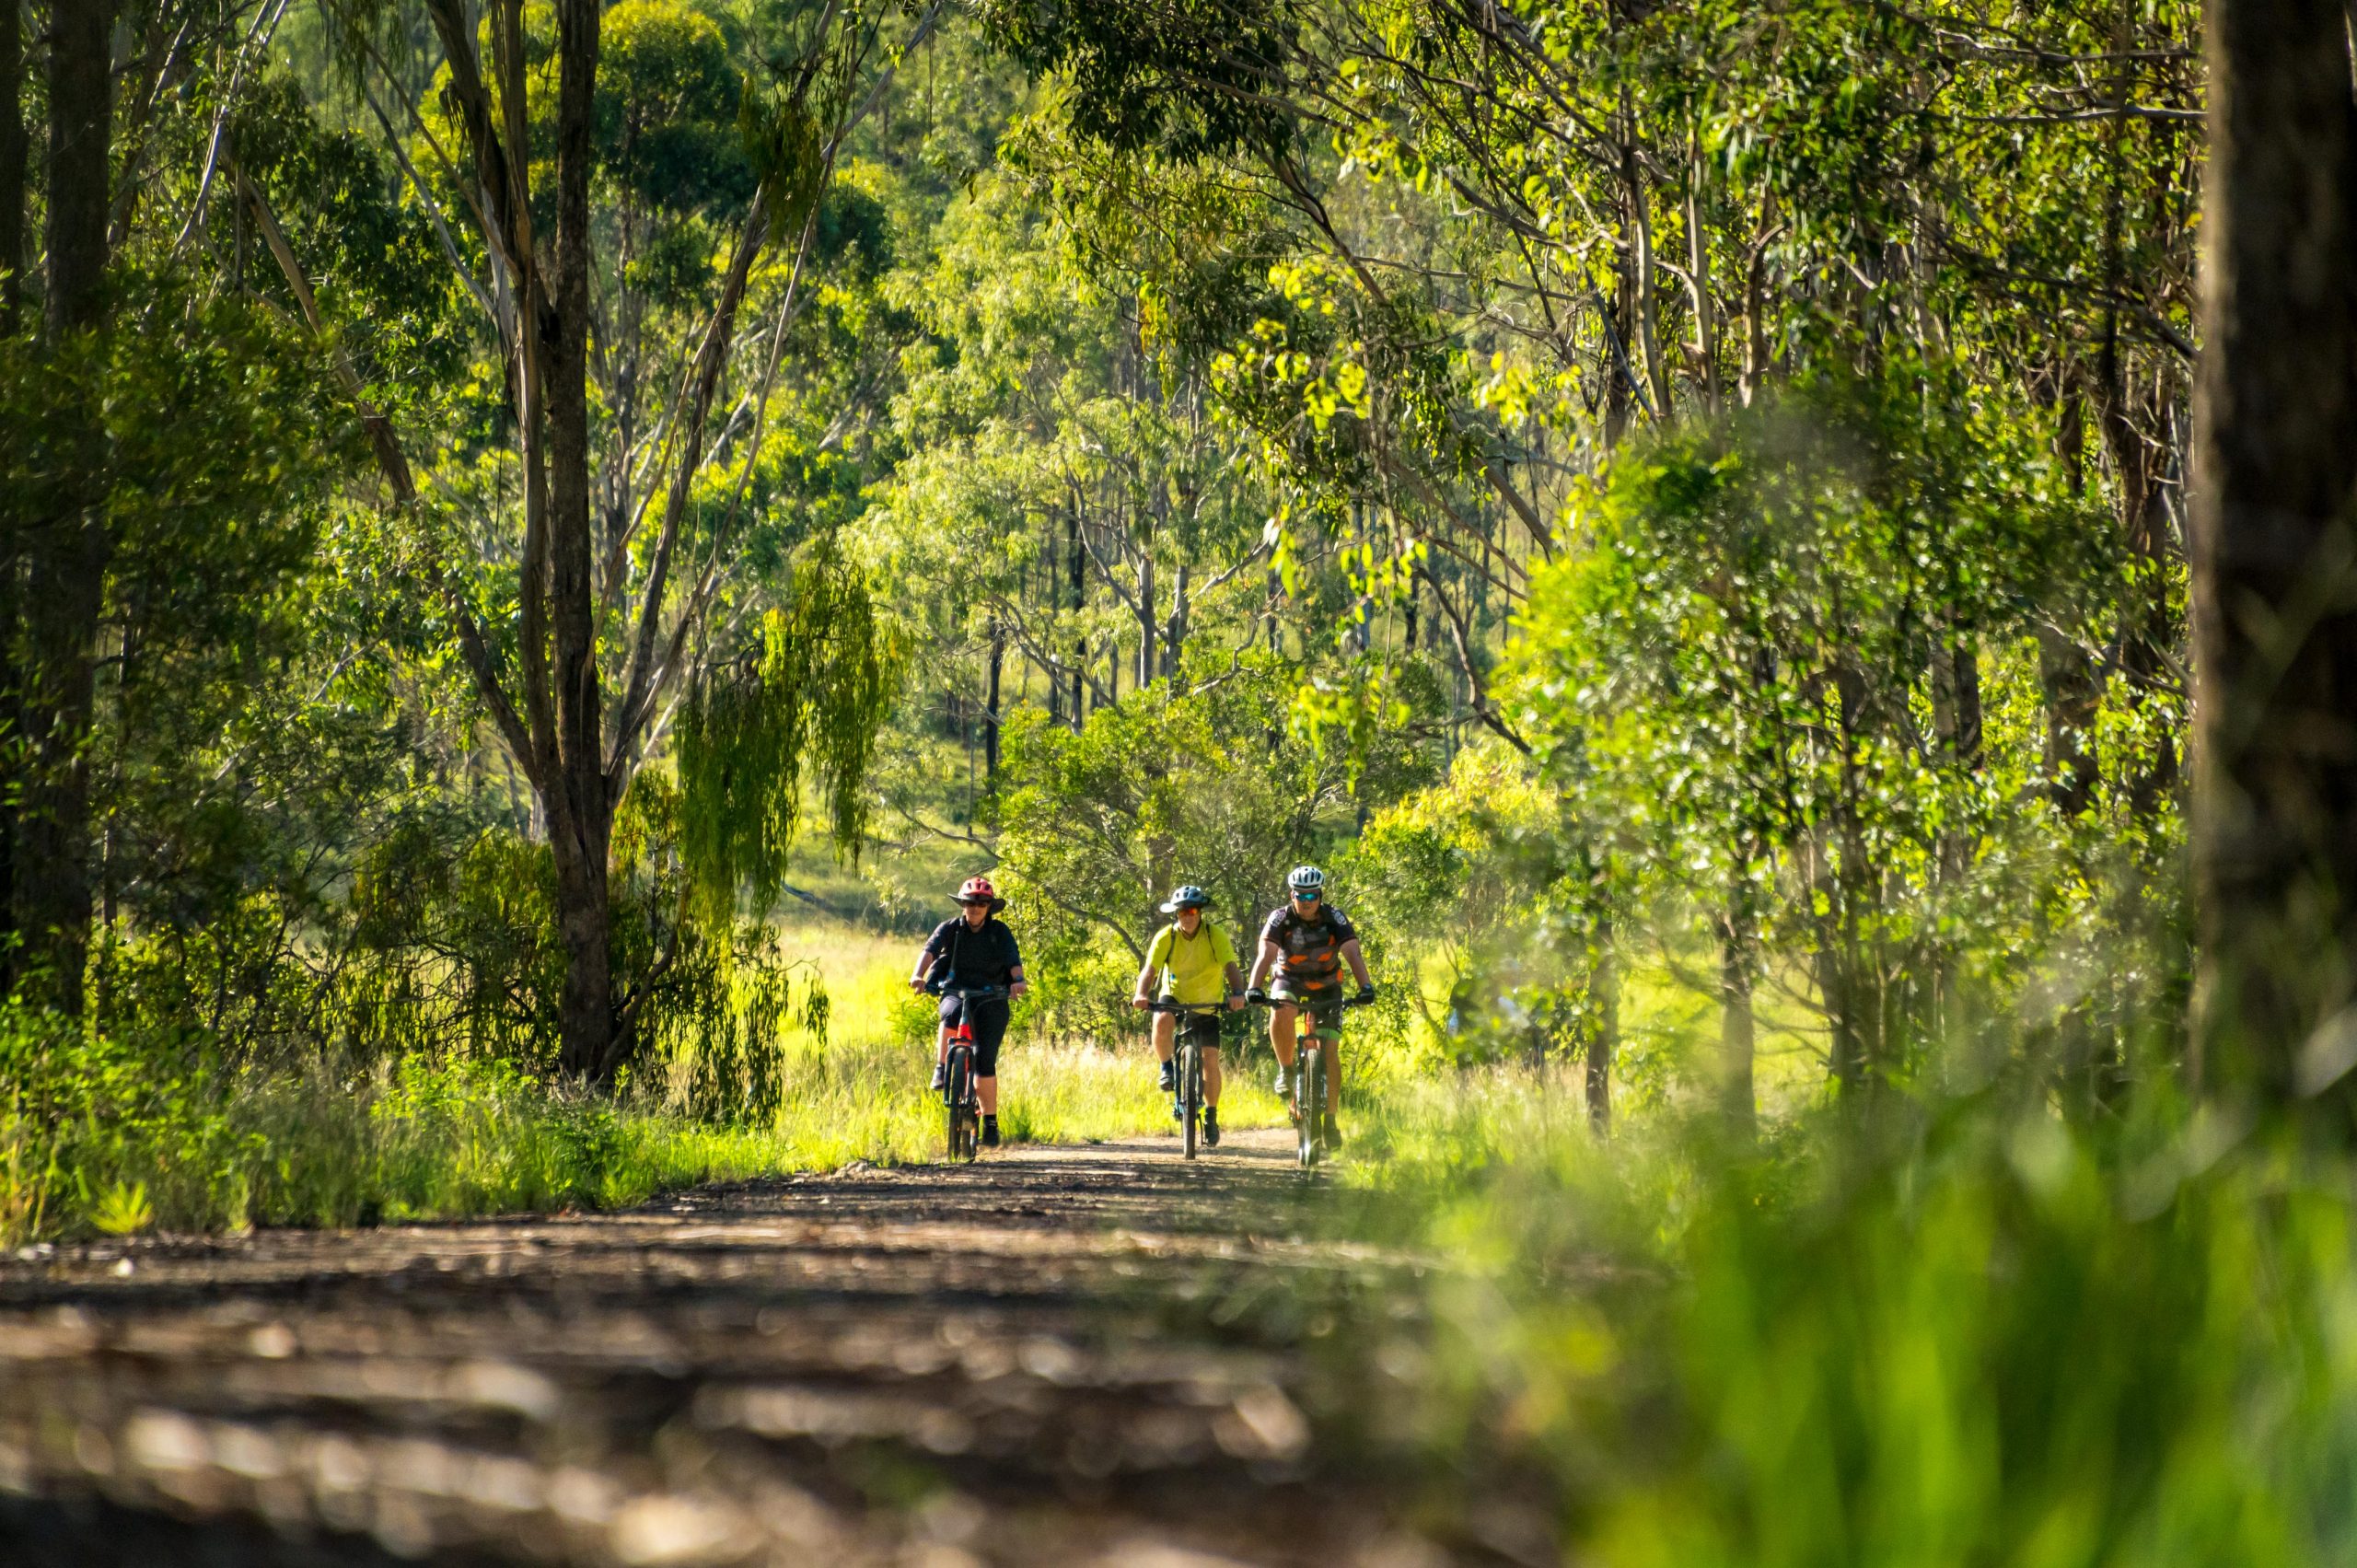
{"x": 974, "y": 949}
{"x": 1306, "y": 943}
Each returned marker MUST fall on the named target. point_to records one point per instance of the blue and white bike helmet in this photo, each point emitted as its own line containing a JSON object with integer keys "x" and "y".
{"x": 1187, "y": 897}
{"x": 1305, "y": 880}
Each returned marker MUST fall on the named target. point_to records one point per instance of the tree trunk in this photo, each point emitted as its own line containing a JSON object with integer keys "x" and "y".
{"x": 1619, "y": 400}
{"x": 581, "y": 819}
{"x": 67, "y": 552}
{"x": 1639, "y": 274}
{"x": 2275, "y": 619}
{"x": 2066, "y": 675}
{"x": 1955, "y": 719}
{"x": 1075, "y": 564}
{"x": 1055, "y": 677}
{"x": 1956, "y": 700}
{"x": 1174, "y": 636}
{"x": 1737, "y": 1026}
{"x": 589, "y": 1045}
{"x": 13, "y": 151}
{"x": 81, "y": 125}
{"x": 1145, "y": 622}
{"x": 1754, "y": 373}
{"x": 1604, "y": 1041}
{"x": 990, "y": 720}
{"x": 2072, "y": 694}
{"x": 1836, "y": 996}
{"x": 1840, "y": 886}
{"x": 2144, "y": 633}
{"x": 1697, "y": 261}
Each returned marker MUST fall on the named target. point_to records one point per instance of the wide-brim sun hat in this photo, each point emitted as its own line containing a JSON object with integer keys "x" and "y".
{"x": 978, "y": 891}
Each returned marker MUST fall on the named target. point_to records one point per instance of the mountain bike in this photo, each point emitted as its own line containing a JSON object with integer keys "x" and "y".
{"x": 958, "y": 1094}
{"x": 1316, "y": 1055}
{"x": 1187, "y": 1099}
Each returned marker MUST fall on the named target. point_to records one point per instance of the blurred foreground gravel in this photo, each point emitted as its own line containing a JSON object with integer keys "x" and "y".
{"x": 1059, "y": 1355}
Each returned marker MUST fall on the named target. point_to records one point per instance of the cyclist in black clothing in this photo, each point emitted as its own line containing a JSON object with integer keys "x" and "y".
{"x": 975, "y": 949}
{"x": 1307, "y": 942}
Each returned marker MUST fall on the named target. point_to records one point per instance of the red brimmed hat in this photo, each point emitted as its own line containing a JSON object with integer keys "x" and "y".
{"x": 978, "y": 891}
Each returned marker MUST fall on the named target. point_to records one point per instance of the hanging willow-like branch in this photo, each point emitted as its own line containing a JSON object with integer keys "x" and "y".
{"x": 806, "y": 702}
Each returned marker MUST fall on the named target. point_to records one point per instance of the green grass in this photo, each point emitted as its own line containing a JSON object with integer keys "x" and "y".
{"x": 904, "y": 891}
{"x": 1962, "y": 1332}
{"x": 95, "y": 1135}
{"x": 862, "y": 1094}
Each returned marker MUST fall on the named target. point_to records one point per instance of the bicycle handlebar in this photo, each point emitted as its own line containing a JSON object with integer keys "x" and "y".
{"x": 1162, "y": 1006}
{"x": 1356, "y": 999}
{"x": 968, "y": 992}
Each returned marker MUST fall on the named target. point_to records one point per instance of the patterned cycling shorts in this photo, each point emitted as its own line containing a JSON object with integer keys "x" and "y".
{"x": 1322, "y": 1003}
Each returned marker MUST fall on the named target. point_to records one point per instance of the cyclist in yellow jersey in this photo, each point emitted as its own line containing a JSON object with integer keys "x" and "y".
{"x": 1196, "y": 965}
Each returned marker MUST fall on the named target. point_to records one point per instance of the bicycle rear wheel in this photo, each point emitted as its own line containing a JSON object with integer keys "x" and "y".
{"x": 964, "y": 1137}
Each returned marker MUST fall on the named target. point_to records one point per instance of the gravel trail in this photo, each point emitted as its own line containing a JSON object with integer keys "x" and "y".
{"x": 1092, "y": 1354}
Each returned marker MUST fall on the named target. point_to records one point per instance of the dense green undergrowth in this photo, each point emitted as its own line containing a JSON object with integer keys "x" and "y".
{"x": 1994, "y": 1340}
{"x": 95, "y": 1135}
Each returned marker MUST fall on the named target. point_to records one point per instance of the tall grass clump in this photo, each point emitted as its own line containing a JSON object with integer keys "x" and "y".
{"x": 1993, "y": 1338}
{"x": 97, "y": 1135}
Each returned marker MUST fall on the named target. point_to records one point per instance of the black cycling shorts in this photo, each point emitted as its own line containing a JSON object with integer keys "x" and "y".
{"x": 1202, "y": 1027}
{"x": 989, "y": 1028}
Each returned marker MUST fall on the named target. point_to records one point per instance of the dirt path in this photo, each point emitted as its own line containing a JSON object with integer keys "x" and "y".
{"x": 1060, "y": 1356}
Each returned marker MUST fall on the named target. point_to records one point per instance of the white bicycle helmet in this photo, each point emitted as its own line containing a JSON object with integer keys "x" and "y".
{"x": 1305, "y": 880}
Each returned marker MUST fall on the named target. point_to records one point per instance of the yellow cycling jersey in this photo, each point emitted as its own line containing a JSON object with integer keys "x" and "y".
{"x": 1193, "y": 969}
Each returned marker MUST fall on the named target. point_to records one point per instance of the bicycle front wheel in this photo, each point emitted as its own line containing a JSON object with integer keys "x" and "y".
{"x": 1309, "y": 1094}
{"x": 964, "y": 1140}
{"x": 1191, "y": 1093}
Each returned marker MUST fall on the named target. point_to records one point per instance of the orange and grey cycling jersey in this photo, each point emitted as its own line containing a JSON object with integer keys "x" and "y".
{"x": 1311, "y": 949}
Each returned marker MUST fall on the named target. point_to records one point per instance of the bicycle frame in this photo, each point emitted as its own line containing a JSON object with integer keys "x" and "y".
{"x": 1187, "y": 1099}
{"x": 958, "y": 1097}
{"x": 1317, "y": 1057}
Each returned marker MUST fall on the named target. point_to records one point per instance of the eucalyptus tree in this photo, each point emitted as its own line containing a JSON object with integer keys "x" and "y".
{"x": 1066, "y": 495}
{"x": 1506, "y": 247}
{"x": 62, "y": 537}
{"x": 582, "y": 176}
{"x": 1518, "y": 234}
{"x": 120, "y": 79}
{"x": 1726, "y": 688}
{"x": 170, "y": 453}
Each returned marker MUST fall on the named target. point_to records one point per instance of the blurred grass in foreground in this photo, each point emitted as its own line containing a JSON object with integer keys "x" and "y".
{"x": 1992, "y": 1339}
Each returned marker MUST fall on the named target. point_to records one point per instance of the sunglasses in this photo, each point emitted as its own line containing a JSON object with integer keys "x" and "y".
{"x": 1305, "y": 898}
